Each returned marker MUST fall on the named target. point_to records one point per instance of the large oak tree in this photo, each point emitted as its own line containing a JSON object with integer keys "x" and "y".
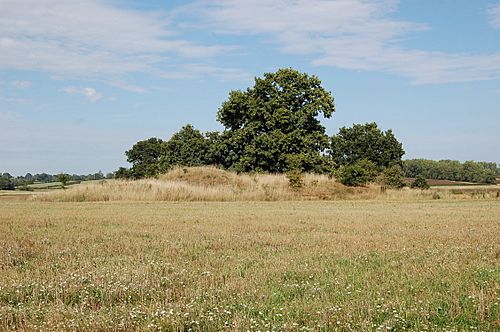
{"x": 274, "y": 126}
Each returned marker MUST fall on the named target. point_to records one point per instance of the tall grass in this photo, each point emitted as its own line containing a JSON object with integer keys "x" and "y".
{"x": 213, "y": 184}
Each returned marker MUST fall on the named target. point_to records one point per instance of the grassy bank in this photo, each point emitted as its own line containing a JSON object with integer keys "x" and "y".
{"x": 212, "y": 184}
{"x": 238, "y": 266}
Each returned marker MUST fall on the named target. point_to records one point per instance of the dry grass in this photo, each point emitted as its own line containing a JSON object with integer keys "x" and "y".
{"x": 250, "y": 266}
{"x": 212, "y": 184}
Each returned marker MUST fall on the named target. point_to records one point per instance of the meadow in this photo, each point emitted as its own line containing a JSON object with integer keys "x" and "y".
{"x": 397, "y": 264}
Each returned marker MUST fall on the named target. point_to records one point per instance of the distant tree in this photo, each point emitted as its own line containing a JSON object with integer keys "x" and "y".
{"x": 63, "y": 178}
{"x": 6, "y": 184}
{"x": 145, "y": 156}
{"x": 109, "y": 175}
{"x": 6, "y": 176}
{"x": 28, "y": 178}
{"x": 98, "y": 176}
{"x": 469, "y": 171}
{"x": 44, "y": 177}
{"x": 188, "y": 147}
{"x": 420, "y": 183}
{"x": 272, "y": 123}
{"x": 365, "y": 141}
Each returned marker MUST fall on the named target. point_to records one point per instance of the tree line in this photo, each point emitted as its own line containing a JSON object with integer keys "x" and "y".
{"x": 9, "y": 182}
{"x": 469, "y": 171}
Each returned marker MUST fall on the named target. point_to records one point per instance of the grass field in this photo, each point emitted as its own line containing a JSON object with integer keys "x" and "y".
{"x": 250, "y": 266}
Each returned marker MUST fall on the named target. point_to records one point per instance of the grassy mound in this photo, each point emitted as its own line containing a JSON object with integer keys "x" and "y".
{"x": 213, "y": 184}
{"x": 208, "y": 184}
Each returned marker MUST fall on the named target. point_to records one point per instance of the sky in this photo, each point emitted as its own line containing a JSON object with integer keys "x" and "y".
{"x": 82, "y": 81}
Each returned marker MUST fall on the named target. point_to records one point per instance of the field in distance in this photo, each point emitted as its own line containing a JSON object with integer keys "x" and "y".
{"x": 239, "y": 266}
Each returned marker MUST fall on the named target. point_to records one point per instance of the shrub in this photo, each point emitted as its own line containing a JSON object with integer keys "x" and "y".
{"x": 353, "y": 175}
{"x": 420, "y": 183}
{"x": 393, "y": 177}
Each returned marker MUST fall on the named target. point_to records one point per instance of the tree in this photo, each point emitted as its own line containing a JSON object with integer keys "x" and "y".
{"x": 188, "y": 147}
{"x": 6, "y": 184}
{"x": 145, "y": 156}
{"x": 365, "y": 141}
{"x": 63, "y": 178}
{"x": 470, "y": 171}
{"x": 122, "y": 173}
{"x": 274, "y": 124}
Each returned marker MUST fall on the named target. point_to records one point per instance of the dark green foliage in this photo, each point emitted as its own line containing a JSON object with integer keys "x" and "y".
{"x": 470, "y": 171}
{"x": 420, "y": 183}
{"x": 44, "y": 177}
{"x": 145, "y": 156}
{"x": 371, "y": 169}
{"x": 7, "y": 184}
{"x": 271, "y": 122}
{"x": 122, "y": 173}
{"x": 365, "y": 142}
{"x": 393, "y": 177}
{"x": 188, "y": 147}
{"x": 357, "y": 174}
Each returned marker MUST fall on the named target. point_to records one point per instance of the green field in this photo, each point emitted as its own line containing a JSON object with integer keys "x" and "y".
{"x": 250, "y": 266}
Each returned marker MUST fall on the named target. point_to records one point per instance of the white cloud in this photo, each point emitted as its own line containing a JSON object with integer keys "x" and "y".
{"x": 348, "y": 34}
{"x": 494, "y": 15}
{"x": 19, "y": 84}
{"x": 90, "y": 93}
{"x": 89, "y": 39}
{"x": 190, "y": 71}
{"x": 22, "y": 101}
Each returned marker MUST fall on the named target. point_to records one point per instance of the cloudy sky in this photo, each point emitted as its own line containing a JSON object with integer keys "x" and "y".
{"x": 82, "y": 81}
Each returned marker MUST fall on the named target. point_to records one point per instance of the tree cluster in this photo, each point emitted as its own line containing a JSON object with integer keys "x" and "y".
{"x": 273, "y": 127}
{"x": 469, "y": 171}
{"x": 9, "y": 182}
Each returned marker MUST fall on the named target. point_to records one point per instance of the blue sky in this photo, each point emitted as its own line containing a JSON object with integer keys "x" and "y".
{"x": 82, "y": 81}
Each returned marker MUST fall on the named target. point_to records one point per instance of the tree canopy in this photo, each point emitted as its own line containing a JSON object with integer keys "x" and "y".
{"x": 469, "y": 171}
{"x": 188, "y": 147}
{"x": 366, "y": 141}
{"x": 273, "y": 126}
{"x": 145, "y": 156}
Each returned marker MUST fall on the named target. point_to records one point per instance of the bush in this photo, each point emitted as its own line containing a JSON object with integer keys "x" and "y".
{"x": 420, "y": 183}
{"x": 353, "y": 175}
{"x": 393, "y": 177}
